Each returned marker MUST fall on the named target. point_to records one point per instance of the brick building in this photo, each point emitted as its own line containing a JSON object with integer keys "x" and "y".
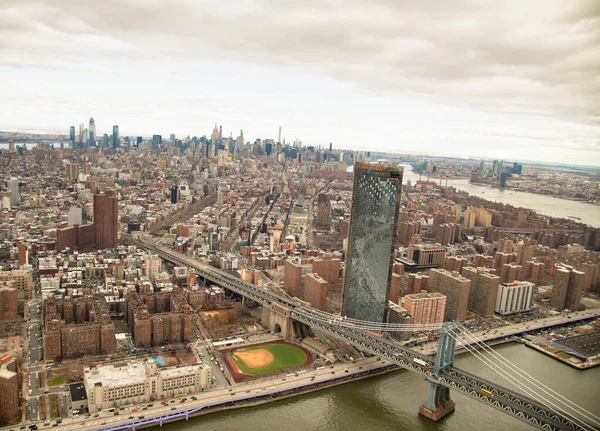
{"x": 398, "y": 315}
{"x": 483, "y": 292}
{"x": 323, "y": 216}
{"x": 328, "y": 269}
{"x": 456, "y": 288}
{"x": 9, "y": 302}
{"x": 101, "y": 234}
{"x": 567, "y": 288}
{"x": 315, "y": 291}
{"x": 425, "y": 308}
{"x": 9, "y": 389}
{"x": 292, "y": 278}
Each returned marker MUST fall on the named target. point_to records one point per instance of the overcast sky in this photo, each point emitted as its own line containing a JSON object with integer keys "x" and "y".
{"x": 518, "y": 80}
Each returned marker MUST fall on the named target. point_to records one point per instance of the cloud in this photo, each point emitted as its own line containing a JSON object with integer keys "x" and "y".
{"x": 537, "y": 59}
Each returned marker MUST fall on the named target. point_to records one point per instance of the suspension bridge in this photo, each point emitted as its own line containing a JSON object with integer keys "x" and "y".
{"x": 520, "y": 395}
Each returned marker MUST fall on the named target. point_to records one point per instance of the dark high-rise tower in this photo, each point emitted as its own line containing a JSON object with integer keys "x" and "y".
{"x": 374, "y": 218}
{"x": 72, "y": 135}
{"x": 115, "y": 137}
{"x": 156, "y": 143}
{"x": 106, "y": 220}
{"x": 92, "y": 131}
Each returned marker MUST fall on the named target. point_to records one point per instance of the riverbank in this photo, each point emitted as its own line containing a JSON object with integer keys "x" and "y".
{"x": 278, "y": 396}
{"x": 510, "y": 189}
{"x": 563, "y": 356}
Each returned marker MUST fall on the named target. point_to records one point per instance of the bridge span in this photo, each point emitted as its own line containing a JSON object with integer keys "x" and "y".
{"x": 439, "y": 372}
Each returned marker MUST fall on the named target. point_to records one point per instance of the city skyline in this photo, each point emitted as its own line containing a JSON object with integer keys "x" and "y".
{"x": 443, "y": 80}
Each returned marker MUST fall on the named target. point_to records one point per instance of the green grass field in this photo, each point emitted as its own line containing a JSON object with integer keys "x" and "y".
{"x": 285, "y": 356}
{"x": 58, "y": 380}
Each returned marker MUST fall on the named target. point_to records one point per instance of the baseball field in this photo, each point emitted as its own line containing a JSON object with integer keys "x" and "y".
{"x": 268, "y": 358}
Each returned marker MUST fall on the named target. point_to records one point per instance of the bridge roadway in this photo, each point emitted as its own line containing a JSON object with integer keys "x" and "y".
{"x": 509, "y": 402}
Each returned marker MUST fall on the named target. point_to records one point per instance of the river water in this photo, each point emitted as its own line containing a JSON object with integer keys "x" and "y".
{"x": 546, "y": 205}
{"x": 391, "y": 402}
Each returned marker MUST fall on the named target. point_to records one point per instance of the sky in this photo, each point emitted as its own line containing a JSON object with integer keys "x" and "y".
{"x": 518, "y": 80}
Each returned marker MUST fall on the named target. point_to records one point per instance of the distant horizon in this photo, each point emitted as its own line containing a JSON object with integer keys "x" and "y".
{"x": 49, "y": 130}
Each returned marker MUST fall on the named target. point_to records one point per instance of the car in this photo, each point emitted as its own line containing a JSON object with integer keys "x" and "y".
{"x": 130, "y": 417}
{"x": 140, "y": 417}
{"x": 96, "y": 415}
{"x": 173, "y": 408}
{"x": 104, "y": 423}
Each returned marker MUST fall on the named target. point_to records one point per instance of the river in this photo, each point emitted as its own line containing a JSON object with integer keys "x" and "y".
{"x": 392, "y": 402}
{"x": 546, "y": 205}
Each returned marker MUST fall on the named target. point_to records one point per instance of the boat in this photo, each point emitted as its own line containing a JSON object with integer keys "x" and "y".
{"x": 575, "y": 218}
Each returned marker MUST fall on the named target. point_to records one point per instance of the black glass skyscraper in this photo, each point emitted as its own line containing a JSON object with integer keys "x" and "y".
{"x": 374, "y": 218}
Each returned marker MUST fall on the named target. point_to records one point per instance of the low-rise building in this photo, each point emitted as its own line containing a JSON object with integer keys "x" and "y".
{"x": 123, "y": 383}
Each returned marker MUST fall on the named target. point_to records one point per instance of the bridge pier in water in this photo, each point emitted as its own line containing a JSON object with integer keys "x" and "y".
{"x": 439, "y": 404}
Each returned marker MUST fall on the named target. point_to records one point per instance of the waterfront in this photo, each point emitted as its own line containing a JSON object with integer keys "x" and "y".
{"x": 392, "y": 402}
{"x": 546, "y": 205}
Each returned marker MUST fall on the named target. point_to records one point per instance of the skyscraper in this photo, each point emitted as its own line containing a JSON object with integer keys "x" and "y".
{"x": 72, "y": 135}
{"x": 92, "y": 132}
{"x": 81, "y": 133}
{"x": 156, "y": 143}
{"x": 13, "y": 186}
{"x": 374, "y": 216}
{"x": 106, "y": 220}
{"x": 115, "y": 137}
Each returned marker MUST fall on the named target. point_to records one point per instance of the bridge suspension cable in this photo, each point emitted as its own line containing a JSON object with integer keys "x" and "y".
{"x": 519, "y": 384}
{"x": 377, "y": 326}
{"x": 530, "y": 379}
{"x": 522, "y": 381}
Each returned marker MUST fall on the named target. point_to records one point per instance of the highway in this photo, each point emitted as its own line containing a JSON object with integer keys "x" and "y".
{"x": 518, "y": 328}
{"x": 238, "y": 392}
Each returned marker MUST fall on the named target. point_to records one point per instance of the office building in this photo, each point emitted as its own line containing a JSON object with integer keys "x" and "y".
{"x": 175, "y": 195}
{"x": 122, "y": 383}
{"x": 456, "y": 288}
{"x": 323, "y": 217}
{"x": 22, "y": 278}
{"x": 514, "y": 297}
{"x": 13, "y": 186}
{"x": 92, "y": 132}
{"x": 373, "y": 223}
{"x": 115, "y": 137}
{"x": 426, "y": 255}
{"x": 9, "y": 301}
{"x": 9, "y": 389}
{"x": 484, "y": 290}
{"x": 567, "y": 288}
{"x": 23, "y": 253}
{"x": 106, "y": 220}
{"x": 72, "y": 135}
{"x": 315, "y": 291}
{"x": 75, "y": 216}
{"x": 156, "y": 143}
{"x": 72, "y": 170}
{"x": 399, "y": 316}
{"x": 152, "y": 266}
{"x": 425, "y": 308}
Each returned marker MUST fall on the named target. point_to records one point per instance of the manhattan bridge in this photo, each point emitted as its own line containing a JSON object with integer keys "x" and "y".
{"x": 528, "y": 400}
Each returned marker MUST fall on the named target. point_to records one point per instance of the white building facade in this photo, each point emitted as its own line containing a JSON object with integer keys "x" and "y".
{"x": 514, "y": 297}
{"x": 123, "y": 384}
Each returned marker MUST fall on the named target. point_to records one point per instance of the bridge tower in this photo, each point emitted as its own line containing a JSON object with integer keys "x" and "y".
{"x": 439, "y": 404}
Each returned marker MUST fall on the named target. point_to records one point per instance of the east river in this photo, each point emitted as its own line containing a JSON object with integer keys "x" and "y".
{"x": 391, "y": 402}
{"x": 546, "y": 205}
